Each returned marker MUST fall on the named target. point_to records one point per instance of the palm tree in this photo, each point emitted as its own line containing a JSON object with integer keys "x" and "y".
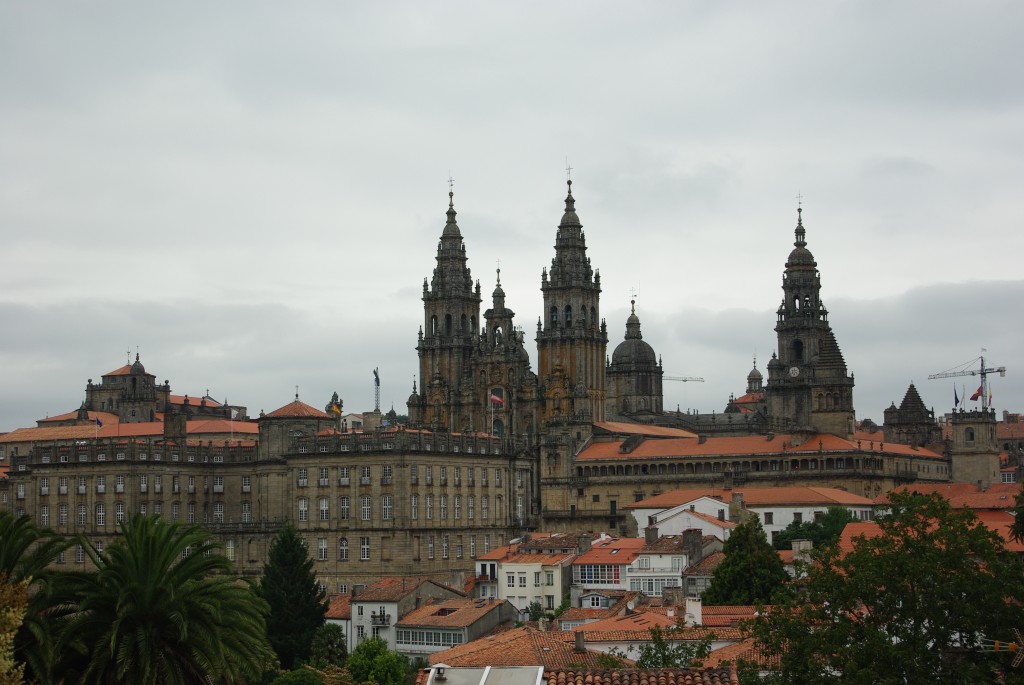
{"x": 26, "y": 552}
{"x": 162, "y": 608}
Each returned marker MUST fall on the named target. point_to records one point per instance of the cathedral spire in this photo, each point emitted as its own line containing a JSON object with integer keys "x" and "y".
{"x": 451, "y": 228}
{"x": 800, "y": 242}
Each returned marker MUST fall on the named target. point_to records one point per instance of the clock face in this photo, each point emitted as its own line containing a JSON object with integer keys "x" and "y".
{"x": 794, "y": 371}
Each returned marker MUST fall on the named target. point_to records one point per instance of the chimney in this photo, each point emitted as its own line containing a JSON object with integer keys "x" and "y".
{"x": 580, "y": 648}
{"x": 583, "y": 543}
{"x": 693, "y": 543}
{"x": 736, "y": 507}
{"x": 694, "y": 612}
{"x": 651, "y": 534}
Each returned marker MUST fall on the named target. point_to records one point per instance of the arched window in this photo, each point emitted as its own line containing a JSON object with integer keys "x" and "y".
{"x": 433, "y": 325}
{"x": 447, "y": 324}
{"x": 462, "y": 324}
{"x": 554, "y": 316}
{"x": 969, "y": 435}
{"x": 593, "y": 317}
{"x": 797, "y": 350}
{"x": 583, "y": 316}
{"x": 343, "y": 549}
{"x": 568, "y": 315}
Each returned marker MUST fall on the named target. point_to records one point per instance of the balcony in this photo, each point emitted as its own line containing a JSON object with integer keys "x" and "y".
{"x": 143, "y": 488}
{"x": 81, "y": 489}
{"x": 218, "y": 488}
{"x": 44, "y": 491}
{"x": 324, "y": 482}
{"x": 119, "y": 488}
{"x": 303, "y": 482}
{"x": 100, "y": 489}
{"x": 380, "y": 619}
{"x": 62, "y": 490}
{"x": 176, "y": 489}
{"x": 364, "y": 480}
{"x": 344, "y": 480}
{"x": 246, "y": 488}
{"x": 158, "y": 488}
{"x": 191, "y": 489}
{"x": 386, "y": 480}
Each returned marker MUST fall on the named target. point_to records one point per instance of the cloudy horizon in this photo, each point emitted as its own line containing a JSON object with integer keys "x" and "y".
{"x": 251, "y": 195}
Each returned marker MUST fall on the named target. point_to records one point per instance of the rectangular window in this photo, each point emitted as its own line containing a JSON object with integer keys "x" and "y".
{"x": 444, "y": 546}
{"x": 430, "y": 506}
{"x": 458, "y": 506}
{"x": 366, "y": 476}
{"x": 44, "y": 515}
{"x": 413, "y": 475}
{"x": 82, "y": 516}
{"x": 497, "y": 478}
{"x": 229, "y": 549}
{"x": 175, "y": 511}
{"x": 487, "y": 543}
{"x": 343, "y": 549}
{"x": 386, "y": 475}
{"x": 158, "y": 484}
{"x": 101, "y": 515}
{"x": 303, "y": 477}
{"x": 119, "y": 512}
{"x": 321, "y": 549}
{"x": 218, "y": 512}
{"x": 472, "y": 546}
{"x": 483, "y": 476}
{"x": 457, "y": 472}
{"x": 364, "y": 549}
{"x": 386, "y": 507}
{"x": 101, "y": 484}
{"x": 469, "y": 475}
{"x": 246, "y": 483}
{"x": 414, "y": 507}
{"x": 143, "y": 483}
{"x": 483, "y": 507}
{"x": 470, "y": 506}
{"x": 303, "y": 509}
{"x": 366, "y": 508}
{"x": 522, "y": 580}
{"x": 430, "y": 547}
{"x": 549, "y": 578}
{"x": 345, "y": 506}
{"x": 325, "y": 509}
{"x": 62, "y": 515}
{"x": 510, "y": 579}
{"x": 444, "y": 506}
{"x": 536, "y": 578}
{"x": 429, "y": 475}
{"x": 191, "y": 513}
{"x": 325, "y": 477}
{"x": 246, "y": 512}
{"x": 218, "y": 484}
{"x": 444, "y": 475}
{"x": 798, "y": 517}
{"x": 769, "y": 518}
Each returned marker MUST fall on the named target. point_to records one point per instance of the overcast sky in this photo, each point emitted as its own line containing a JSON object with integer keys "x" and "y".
{"x": 251, "y": 193}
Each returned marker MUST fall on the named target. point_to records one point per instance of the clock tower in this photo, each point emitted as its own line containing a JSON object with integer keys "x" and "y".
{"x": 808, "y": 387}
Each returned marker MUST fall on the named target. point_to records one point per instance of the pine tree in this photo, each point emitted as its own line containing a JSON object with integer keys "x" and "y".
{"x": 751, "y": 571}
{"x": 297, "y": 604}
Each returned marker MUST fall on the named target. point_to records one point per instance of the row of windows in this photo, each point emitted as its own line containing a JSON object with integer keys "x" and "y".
{"x": 64, "y": 457}
{"x": 120, "y": 512}
{"x": 433, "y": 638}
{"x": 387, "y": 507}
{"x": 120, "y": 484}
{"x": 365, "y": 475}
{"x": 323, "y": 553}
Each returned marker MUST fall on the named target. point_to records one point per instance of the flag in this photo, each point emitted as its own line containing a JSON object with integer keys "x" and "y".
{"x": 234, "y": 414}
{"x": 976, "y": 395}
{"x": 99, "y": 424}
{"x": 497, "y": 400}
{"x": 956, "y": 398}
{"x": 990, "y": 396}
{"x": 335, "y": 409}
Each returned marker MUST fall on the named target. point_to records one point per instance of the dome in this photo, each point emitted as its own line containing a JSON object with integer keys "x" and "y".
{"x": 754, "y": 375}
{"x": 800, "y": 256}
{"x": 137, "y": 367}
{"x": 633, "y": 350}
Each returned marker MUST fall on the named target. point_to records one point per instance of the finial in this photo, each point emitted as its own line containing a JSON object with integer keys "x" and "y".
{"x": 414, "y": 384}
{"x": 568, "y": 171}
{"x": 632, "y": 306}
{"x": 451, "y": 190}
{"x": 499, "y": 274}
{"x": 136, "y": 356}
{"x": 296, "y": 393}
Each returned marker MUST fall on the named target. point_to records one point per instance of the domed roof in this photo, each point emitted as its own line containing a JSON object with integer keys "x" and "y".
{"x": 570, "y": 218}
{"x": 414, "y": 398}
{"x": 754, "y": 375}
{"x": 633, "y": 350}
{"x": 800, "y": 256}
{"x": 137, "y": 368}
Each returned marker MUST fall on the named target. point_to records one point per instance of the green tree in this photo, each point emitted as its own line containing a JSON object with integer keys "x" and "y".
{"x": 662, "y": 651}
{"x": 328, "y": 645}
{"x": 751, "y": 570}
{"x": 909, "y": 605}
{"x": 822, "y": 532}
{"x": 162, "y": 608}
{"x": 1017, "y": 527}
{"x": 26, "y": 552}
{"x": 13, "y": 600}
{"x": 300, "y": 676}
{"x": 297, "y": 604}
{"x": 372, "y": 661}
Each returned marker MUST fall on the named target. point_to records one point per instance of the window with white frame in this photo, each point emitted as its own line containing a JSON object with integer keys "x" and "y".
{"x": 321, "y": 549}
{"x": 344, "y": 506}
{"x": 218, "y": 512}
{"x": 343, "y": 549}
{"x": 119, "y": 512}
{"x": 430, "y": 506}
{"x": 458, "y": 506}
{"x": 386, "y": 507}
{"x": 414, "y": 507}
{"x": 246, "y": 512}
{"x": 430, "y": 547}
{"x": 83, "y": 516}
{"x": 101, "y": 514}
{"x": 366, "y": 508}
{"x": 325, "y": 509}
{"x": 444, "y": 507}
{"x": 364, "y": 549}
{"x": 470, "y": 506}
{"x": 303, "y": 509}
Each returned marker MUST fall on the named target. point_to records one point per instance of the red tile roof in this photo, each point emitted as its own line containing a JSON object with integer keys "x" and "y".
{"x": 104, "y": 416}
{"x": 123, "y": 371}
{"x": 624, "y": 428}
{"x": 297, "y": 410}
{"x": 747, "y": 651}
{"x": 518, "y": 647}
{"x": 611, "y": 551}
{"x": 689, "y": 634}
{"x": 741, "y": 446}
{"x": 707, "y": 565}
{"x": 964, "y": 495}
{"x": 450, "y": 613}
{"x": 756, "y": 496}
{"x": 193, "y": 401}
{"x": 128, "y": 430}
{"x": 653, "y": 676}
{"x": 338, "y": 607}
{"x": 394, "y": 588}
{"x": 641, "y": 621}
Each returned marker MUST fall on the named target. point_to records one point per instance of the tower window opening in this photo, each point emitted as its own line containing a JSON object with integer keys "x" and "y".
{"x": 796, "y": 302}
{"x": 447, "y": 324}
{"x": 433, "y": 325}
{"x": 554, "y": 316}
{"x": 798, "y": 350}
{"x": 593, "y": 317}
{"x": 568, "y": 315}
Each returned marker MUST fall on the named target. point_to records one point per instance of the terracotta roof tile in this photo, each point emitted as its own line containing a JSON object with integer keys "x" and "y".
{"x": 394, "y": 588}
{"x": 518, "y": 647}
{"x": 706, "y": 566}
{"x": 740, "y": 446}
{"x": 641, "y": 621}
{"x": 655, "y": 676}
{"x": 964, "y": 495}
{"x": 339, "y": 607}
{"x": 123, "y": 371}
{"x": 746, "y": 651}
{"x": 450, "y": 613}
{"x": 611, "y": 551}
{"x": 694, "y": 633}
{"x": 624, "y": 428}
{"x": 297, "y": 410}
{"x": 104, "y": 416}
{"x": 756, "y": 496}
{"x": 127, "y": 430}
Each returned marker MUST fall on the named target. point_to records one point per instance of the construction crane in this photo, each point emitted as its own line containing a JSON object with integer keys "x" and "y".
{"x": 684, "y": 379}
{"x": 982, "y": 371}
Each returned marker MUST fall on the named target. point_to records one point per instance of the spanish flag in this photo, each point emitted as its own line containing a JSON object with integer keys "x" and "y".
{"x": 335, "y": 409}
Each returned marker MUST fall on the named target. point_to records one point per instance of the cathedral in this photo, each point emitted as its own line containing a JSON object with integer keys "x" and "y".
{"x": 492, "y": 448}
